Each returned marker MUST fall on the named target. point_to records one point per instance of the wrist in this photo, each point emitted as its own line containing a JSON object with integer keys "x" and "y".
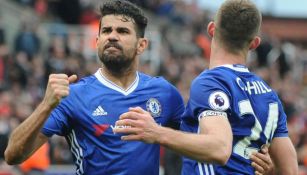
{"x": 45, "y": 106}
{"x": 161, "y": 135}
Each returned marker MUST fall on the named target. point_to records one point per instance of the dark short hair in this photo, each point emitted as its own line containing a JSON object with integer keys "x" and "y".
{"x": 127, "y": 9}
{"x": 237, "y": 23}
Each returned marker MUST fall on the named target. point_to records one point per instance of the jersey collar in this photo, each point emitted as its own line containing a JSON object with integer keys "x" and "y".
{"x": 115, "y": 87}
{"x": 236, "y": 67}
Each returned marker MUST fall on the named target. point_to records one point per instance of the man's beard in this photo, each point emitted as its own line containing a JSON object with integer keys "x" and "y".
{"x": 116, "y": 64}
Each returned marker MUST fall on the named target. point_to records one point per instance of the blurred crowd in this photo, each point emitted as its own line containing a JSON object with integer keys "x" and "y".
{"x": 183, "y": 53}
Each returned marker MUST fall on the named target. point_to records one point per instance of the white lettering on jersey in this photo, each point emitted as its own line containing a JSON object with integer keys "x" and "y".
{"x": 253, "y": 87}
{"x": 119, "y": 126}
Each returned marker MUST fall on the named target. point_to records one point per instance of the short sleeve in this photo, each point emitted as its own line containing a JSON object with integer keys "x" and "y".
{"x": 177, "y": 108}
{"x": 58, "y": 122}
{"x": 281, "y": 130}
{"x": 208, "y": 97}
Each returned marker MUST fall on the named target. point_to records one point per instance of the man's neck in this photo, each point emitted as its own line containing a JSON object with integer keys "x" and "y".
{"x": 124, "y": 81}
{"x": 219, "y": 56}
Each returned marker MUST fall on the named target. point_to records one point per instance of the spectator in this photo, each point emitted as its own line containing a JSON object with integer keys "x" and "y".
{"x": 27, "y": 40}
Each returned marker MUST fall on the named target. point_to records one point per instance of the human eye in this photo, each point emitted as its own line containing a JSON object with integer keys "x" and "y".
{"x": 123, "y": 31}
{"x": 106, "y": 30}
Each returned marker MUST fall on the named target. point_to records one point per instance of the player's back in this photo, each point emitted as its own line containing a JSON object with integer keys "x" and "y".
{"x": 254, "y": 112}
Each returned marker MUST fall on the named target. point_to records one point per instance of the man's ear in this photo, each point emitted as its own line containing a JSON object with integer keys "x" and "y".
{"x": 211, "y": 28}
{"x": 142, "y": 45}
{"x": 97, "y": 37}
{"x": 255, "y": 43}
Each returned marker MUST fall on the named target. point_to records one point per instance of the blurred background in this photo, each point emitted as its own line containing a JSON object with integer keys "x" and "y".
{"x": 39, "y": 37}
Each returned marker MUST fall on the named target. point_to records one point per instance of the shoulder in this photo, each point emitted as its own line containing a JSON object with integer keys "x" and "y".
{"x": 83, "y": 83}
{"x": 216, "y": 76}
{"x": 206, "y": 78}
{"x": 149, "y": 78}
{"x": 211, "y": 83}
{"x": 160, "y": 84}
{"x": 155, "y": 81}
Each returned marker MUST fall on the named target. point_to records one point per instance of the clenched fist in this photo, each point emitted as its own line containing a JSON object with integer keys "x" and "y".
{"x": 57, "y": 88}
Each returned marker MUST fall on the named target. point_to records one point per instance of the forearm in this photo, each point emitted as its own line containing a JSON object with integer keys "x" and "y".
{"x": 201, "y": 147}
{"x": 291, "y": 170}
{"x": 213, "y": 144}
{"x": 280, "y": 148}
{"x": 287, "y": 167}
{"x": 22, "y": 140}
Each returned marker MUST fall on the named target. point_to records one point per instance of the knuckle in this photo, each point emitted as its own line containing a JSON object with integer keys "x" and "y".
{"x": 52, "y": 85}
{"x": 141, "y": 123}
{"x": 51, "y": 76}
{"x": 266, "y": 167}
{"x": 58, "y": 97}
{"x": 51, "y": 80}
{"x": 65, "y": 76}
{"x": 56, "y": 92}
{"x": 59, "y": 93}
{"x": 66, "y": 82}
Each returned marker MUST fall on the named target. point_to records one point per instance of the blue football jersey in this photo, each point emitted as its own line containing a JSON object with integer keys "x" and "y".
{"x": 253, "y": 109}
{"x": 87, "y": 116}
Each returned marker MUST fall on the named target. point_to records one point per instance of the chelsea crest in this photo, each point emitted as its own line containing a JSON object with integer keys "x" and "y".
{"x": 154, "y": 107}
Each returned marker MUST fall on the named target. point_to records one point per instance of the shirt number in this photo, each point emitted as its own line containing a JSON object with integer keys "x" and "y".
{"x": 242, "y": 147}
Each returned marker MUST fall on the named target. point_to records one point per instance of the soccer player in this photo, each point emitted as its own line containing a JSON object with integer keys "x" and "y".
{"x": 231, "y": 112}
{"x": 85, "y": 112}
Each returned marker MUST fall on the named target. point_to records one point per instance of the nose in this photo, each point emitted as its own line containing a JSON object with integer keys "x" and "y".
{"x": 113, "y": 36}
